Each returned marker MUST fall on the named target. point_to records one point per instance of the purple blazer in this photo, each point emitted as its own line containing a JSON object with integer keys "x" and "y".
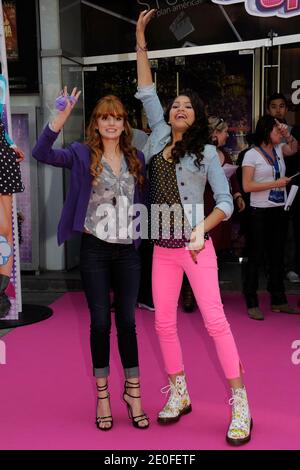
{"x": 76, "y": 158}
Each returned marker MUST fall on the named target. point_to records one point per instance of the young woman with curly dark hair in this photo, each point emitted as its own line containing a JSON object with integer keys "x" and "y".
{"x": 196, "y": 135}
{"x": 107, "y": 175}
{"x": 181, "y": 163}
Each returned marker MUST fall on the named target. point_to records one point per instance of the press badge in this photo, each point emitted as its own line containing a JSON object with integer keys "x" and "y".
{"x": 276, "y": 196}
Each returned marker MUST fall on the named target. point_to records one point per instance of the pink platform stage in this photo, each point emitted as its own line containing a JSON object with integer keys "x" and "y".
{"x": 48, "y": 394}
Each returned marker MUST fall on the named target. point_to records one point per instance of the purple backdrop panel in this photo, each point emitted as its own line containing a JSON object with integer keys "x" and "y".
{"x": 20, "y": 126}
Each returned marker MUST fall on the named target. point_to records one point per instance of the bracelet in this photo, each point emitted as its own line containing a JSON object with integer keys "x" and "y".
{"x": 140, "y": 48}
{"x": 205, "y": 234}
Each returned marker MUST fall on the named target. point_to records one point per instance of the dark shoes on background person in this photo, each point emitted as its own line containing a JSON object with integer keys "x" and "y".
{"x": 188, "y": 298}
{"x": 293, "y": 277}
{"x": 146, "y": 306}
{"x": 4, "y": 300}
{"x": 255, "y": 313}
{"x": 285, "y": 308}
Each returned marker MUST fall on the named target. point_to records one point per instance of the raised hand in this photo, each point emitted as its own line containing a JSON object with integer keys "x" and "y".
{"x": 143, "y": 20}
{"x": 283, "y": 129}
{"x": 143, "y": 65}
{"x": 65, "y": 104}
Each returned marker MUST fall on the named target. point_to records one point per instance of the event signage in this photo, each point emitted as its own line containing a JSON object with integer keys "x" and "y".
{"x": 280, "y": 8}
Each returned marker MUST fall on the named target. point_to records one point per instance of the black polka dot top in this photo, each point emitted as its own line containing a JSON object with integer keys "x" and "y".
{"x": 164, "y": 190}
{"x": 10, "y": 173}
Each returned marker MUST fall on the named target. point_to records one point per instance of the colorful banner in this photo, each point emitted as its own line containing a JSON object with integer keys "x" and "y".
{"x": 280, "y": 8}
{"x": 20, "y": 125}
{"x": 10, "y": 285}
{"x": 10, "y": 30}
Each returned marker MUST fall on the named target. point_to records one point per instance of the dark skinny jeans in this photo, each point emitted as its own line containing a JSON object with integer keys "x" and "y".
{"x": 268, "y": 228}
{"x": 104, "y": 265}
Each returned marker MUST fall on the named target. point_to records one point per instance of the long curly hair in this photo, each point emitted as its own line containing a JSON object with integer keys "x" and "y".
{"x": 197, "y": 135}
{"x": 111, "y": 105}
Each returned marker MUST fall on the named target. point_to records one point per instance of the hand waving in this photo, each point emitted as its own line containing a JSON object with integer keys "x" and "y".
{"x": 65, "y": 104}
{"x": 283, "y": 129}
{"x": 144, "y": 18}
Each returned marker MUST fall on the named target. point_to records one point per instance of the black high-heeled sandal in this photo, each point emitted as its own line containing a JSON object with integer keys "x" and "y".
{"x": 134, "y": 419}
{"x": 103, "y": 419}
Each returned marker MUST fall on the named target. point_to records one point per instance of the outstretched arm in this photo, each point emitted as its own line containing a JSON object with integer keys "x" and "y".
{"x": 43, "y": 150}
{"x": 160, "y": 134}
{"x": 143, "y": 66}
{"x": 146, "y": 89}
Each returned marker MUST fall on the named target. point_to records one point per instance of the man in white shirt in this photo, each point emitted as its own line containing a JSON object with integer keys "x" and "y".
{"x": 277, "y": 107}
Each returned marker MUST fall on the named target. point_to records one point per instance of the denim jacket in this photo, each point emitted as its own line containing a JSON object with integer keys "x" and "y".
{"x": 191, "y": 180}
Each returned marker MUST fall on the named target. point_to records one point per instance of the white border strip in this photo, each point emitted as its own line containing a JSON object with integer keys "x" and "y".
{"x": 108, "y": 12}
{"x": 195, "y": 50}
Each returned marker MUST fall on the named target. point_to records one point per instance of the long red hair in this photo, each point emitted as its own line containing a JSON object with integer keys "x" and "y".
{"x": 111, "y": 105}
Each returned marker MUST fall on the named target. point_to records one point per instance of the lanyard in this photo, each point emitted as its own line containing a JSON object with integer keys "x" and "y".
{"x": 274, "y": 163}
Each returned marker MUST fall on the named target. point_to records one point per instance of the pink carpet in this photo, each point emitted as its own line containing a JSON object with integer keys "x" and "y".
{"x": 48, "y": 393}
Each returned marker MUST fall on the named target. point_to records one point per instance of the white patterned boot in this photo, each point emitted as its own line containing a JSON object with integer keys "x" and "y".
{"x": 239, "y": 431}
{"x": 178, "y": 404}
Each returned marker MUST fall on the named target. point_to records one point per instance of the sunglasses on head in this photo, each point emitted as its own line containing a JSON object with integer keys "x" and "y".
{"x": 220, "y": 122}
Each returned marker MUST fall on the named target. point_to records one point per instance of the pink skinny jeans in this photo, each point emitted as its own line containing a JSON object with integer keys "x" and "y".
{"x": 167, "y": 273}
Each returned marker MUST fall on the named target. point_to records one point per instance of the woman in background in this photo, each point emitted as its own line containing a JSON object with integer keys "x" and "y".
{"x": 264, "y": 178}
